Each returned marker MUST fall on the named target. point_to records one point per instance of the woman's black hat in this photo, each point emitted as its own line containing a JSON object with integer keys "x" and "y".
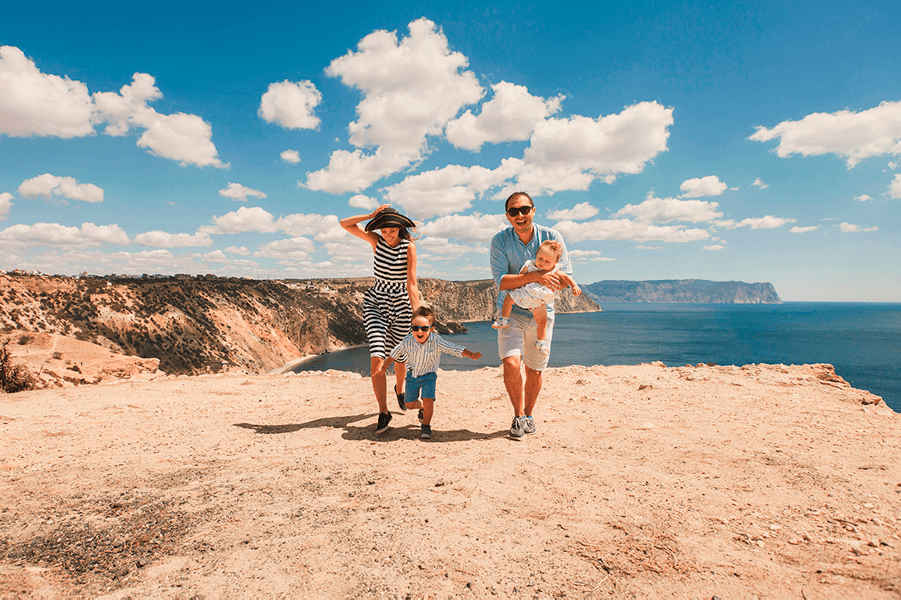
{"x": 389, "y": 218}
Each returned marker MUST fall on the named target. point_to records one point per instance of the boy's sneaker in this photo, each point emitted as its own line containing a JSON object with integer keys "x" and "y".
{"x": 425, "y": 432}
{"x": 543, "y": 346}
{"x": 528, "y": 424}
{"x": 420, "y": 416}
{"x": 501, "y": 323}
{"x": 516, "y": 429}
{"x": 384, "y": 419}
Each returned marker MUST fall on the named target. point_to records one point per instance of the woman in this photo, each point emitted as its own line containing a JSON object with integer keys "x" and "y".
{"x": 389, "y": 304}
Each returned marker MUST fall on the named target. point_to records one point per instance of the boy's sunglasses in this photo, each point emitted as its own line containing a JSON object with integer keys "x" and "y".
{"x": 420, "y": 327}
{"x": 519, "y": 210}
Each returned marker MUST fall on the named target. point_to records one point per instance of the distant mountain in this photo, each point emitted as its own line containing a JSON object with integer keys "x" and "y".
{"x": 697, "y": 291}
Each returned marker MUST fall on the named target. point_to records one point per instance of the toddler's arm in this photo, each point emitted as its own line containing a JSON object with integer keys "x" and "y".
{"x": 570, "y": 282}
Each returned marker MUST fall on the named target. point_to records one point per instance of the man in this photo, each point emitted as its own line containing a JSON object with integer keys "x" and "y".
{"x": 510, "y": 249}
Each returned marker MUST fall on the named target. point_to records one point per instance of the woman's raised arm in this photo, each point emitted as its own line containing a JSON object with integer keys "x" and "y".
{"x": 351, "y": 226}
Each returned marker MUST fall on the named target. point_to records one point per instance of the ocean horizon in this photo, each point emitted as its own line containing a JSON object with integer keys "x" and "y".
{"x": 861, "y": 339}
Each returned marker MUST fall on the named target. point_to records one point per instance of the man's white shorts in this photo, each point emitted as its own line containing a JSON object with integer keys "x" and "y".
{"x": 519, "y": 340}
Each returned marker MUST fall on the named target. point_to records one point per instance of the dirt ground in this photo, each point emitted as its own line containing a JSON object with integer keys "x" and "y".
{"x": 642, "y": 481}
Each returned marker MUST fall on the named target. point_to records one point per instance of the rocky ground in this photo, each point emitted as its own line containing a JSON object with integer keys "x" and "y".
{"x": 764, "y": 481}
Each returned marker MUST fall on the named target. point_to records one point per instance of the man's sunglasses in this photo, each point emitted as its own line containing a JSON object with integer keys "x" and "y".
{"x": 420, "y": 327}
{"x": 519, "y": 210}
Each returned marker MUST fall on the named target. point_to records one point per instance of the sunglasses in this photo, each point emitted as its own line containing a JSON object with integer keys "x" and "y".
{"x": 519, "y": 210}
{"x": 420, "y": 327}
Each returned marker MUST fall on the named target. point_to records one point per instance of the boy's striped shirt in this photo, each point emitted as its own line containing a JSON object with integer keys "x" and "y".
{"x": 425, "y": 357}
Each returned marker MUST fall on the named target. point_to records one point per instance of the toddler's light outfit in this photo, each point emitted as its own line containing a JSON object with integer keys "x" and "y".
{"x": 532, "y": 295}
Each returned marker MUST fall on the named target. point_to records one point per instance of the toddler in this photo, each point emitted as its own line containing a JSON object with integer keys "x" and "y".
{"x": 534, "y": 296}
{"x": 421, "y": 351}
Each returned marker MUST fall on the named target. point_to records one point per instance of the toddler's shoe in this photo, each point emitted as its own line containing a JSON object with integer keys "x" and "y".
{"x": 425, "y": 432}
{"x": 543, "y": 346}
{"x": 501, "y": 323}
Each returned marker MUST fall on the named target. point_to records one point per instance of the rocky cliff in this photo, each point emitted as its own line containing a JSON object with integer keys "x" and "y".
{"x": 206, "y": 324}
{"x": 683, "y": 290}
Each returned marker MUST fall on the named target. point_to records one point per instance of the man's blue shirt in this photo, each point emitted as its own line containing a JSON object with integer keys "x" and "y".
{"x": 509, "y": 254}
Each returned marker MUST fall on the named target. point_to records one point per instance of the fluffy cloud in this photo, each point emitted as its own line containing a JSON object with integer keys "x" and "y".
{"x": 702, "y": 186}
{"x": 255, "y": 219}
{"x": 894, "y": 189}
{"x": 440, "y": 249}
{"x": 290, "y": 156}
{"x": 364, "y": 202}
{"x": 411, "y": 89}
{"x": 325, "y": 227}
{"x": 162, "y": 239}
{"x": 588, "y": 256}
{"x": 449, "y": 189}
{"x": 668, "y": 210}
{"x": 5, "y": 204}
{"x": 807, "y": 229}
{"x": 626, "y": 229}
{"x": 34, "y": 103}
{"x": 48, "y": 185}
{"x": 851, "y": 228}
{"x": 246, "y": 218}
{"x": 851, "y": 135}
{"x": 579, "y": 212}
{"x": 216, "y": 256}
{"x": 291, "y": 105}
{"x": 475, "y": 227}
{"x": 765, "y": 222}
{"x": 714, "y": 247}
{"x": 239, "y": 250}
{"x": 296, "y": 248}
{"x": 759, "y": 183}
{"x": 863, "y": 198}
{"x": 239, "y": 193}
{"x": 54, "y": 234}
{"x": 510, "y": 115}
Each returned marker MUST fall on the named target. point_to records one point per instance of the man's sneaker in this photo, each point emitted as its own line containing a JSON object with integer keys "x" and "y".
{"x": 384, "y": 419}
{"x": 528, "y": 424}
{"x": 420, "y": 416}
{"x": 543, "y": 346}
{"x": 425, "y": 432}
{"x": 516, "y": 429}
{"x": 501, "y": 323}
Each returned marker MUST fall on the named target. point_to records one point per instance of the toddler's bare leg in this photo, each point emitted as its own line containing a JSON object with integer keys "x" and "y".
{"x": 507, "y": 308}
{"x": 540, "y": 315}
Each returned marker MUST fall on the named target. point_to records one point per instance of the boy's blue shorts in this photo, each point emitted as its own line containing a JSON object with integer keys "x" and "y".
{"x": 425, "y": 384}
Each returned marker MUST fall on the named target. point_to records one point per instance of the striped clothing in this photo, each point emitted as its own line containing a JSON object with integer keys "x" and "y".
{"x": 386, "y": 305}
{"x": 425, "y": 357}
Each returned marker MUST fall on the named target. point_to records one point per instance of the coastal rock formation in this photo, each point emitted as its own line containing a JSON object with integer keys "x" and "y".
{"x": 210, "y": 324}
{"x": 683, "y": 290}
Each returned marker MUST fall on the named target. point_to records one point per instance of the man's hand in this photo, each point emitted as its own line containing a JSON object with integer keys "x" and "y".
{"x": 552, "y": 281}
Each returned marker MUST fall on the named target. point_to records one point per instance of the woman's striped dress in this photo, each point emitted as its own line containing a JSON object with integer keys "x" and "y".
{"x": 386, "y": 305}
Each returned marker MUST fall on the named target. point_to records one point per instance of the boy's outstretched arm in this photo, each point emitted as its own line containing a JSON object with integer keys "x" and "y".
{"x": 471, "y": 354}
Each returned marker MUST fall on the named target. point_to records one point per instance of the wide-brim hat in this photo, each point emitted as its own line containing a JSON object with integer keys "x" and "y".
{"x": 389, "y": 218}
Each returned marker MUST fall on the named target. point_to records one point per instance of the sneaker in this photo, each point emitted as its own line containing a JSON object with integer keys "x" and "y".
{"x": 425, "y": 432}
{"x": 420, "y": 416}
{"x": 384, "y": 419}
{"x": 543, "y": 346}
{"x": 501, "y": 323}
{"x": 400, "y": 399}
{"x": 528, "y": 424}
{"x": 516, "y": 429}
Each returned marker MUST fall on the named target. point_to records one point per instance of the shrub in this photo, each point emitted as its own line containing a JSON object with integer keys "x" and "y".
{"x": 13, "y": 378}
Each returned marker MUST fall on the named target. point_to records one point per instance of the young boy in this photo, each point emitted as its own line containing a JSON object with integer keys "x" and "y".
{"x": 421, "y": 351}
{"x": 534, "y": 296}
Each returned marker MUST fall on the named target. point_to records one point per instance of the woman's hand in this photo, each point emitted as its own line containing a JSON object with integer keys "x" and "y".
{"x": 378, "y": 210}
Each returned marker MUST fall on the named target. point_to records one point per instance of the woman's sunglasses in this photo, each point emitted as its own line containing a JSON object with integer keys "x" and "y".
{"x": 519, "y": 210}
{"x": 420, "y": 327}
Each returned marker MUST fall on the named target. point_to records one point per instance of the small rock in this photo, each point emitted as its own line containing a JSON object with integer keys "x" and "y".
{"x": 645, "y": 386}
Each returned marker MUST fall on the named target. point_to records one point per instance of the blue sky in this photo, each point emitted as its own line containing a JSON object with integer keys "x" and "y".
{"x": 757, "y": 142}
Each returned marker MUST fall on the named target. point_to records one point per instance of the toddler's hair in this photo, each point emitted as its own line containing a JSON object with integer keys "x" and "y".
{"x": 554, "y": 246}
{"x": 425, "y": 311}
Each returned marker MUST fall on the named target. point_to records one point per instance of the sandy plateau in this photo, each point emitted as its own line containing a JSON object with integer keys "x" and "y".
{"x": 642, "y": 481}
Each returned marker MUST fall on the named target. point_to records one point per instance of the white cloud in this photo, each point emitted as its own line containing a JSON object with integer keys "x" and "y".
{"x": 5, "y": 204}
{"x": 162, "y": 239}
{"x": 411, "y": 89}
{"x": 579, "y": 212}
{"x": 364, "y": 202}
{"x": 296, "y": 248}
{"x": 895, "y": 187}
{"x": 290, "y": 156}
{"x": 765, "y": 222}
{"x": 863, "y": 198}
{"x": 239, "y": 193}
{"x": 48, "y": 185}
{"x": 291, "y": 105}
{"x": 246, "y": 218}
{"x": 851, "y": 135}
{"x": 851, "y": 228}
{"x": 183, "y": 137}
{"x": 441, "y": 249}
{"x": 54, "y": 234}
{"x": 511, "y": 115}
{"x": 239, "y": 250}
{"x": 325, "y": 227}
{"x": 759, "y": 183}
{"x": 588, "y": 256}
{"x": 668, "y": 210}
{"x": 625, "y": 229}
{"x": 34, "y": 103}
{"x": 714, "y": 247}
{"x": 475, "y": 227}
{"x": 214, "y": 256}
{"x": 807, "y": 229}
{"x": 448, "y": 190}
{"x": 697, "y": 187}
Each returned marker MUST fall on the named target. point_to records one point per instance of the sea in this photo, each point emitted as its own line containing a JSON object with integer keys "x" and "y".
{"x": 862, "y": 340}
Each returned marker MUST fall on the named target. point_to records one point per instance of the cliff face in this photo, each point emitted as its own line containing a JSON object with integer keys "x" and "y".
{"x": 205, "y": 324}
{"x": 683, "y": 290}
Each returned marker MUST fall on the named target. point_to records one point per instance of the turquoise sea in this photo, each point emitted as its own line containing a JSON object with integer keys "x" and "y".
{"x": 862, "y": 340}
